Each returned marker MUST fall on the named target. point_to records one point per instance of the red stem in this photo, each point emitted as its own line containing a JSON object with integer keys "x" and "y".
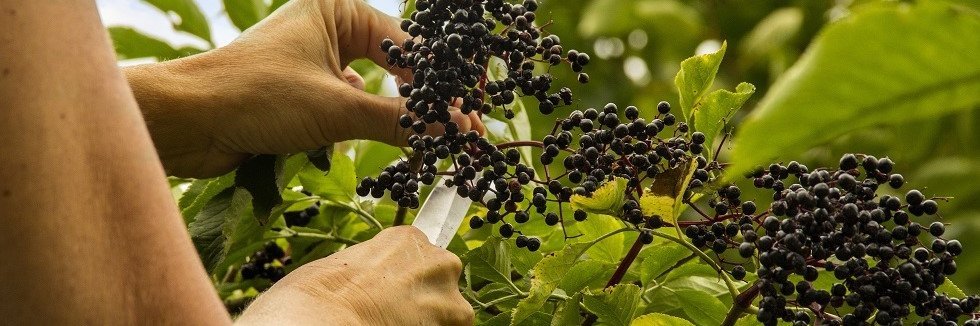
{"x": 742, "y": 302}
{"x": 625, "y": 264}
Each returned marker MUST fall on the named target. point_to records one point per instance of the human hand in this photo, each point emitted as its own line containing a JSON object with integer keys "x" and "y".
{"x": 396, "y": 278}
{"x": 281, "y": 87}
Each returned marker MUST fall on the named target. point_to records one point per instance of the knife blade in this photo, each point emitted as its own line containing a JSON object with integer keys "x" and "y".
{"x": 441, "y": 215}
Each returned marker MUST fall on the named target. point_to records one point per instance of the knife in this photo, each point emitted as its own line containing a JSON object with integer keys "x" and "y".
{"x": 441, "y": 215}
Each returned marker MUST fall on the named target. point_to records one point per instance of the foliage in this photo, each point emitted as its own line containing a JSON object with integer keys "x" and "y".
{"x": 880, "y": 77}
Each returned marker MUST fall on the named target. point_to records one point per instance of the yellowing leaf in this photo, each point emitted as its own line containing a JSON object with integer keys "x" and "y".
{"x": 653, "y": 204}
{"x": 664, "y": 195}
{"x": 608, "y": 199}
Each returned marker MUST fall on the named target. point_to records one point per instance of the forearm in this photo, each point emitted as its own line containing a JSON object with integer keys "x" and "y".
{"x": 90, "y": 230}
{"x": 171, "y": 95}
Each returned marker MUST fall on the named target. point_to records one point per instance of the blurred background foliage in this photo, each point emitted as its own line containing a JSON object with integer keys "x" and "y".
{"x": 637, "y": 47}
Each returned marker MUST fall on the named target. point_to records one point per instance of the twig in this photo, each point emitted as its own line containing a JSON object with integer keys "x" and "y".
{"x": 624, "y": 265}
{"x": 741, "y": 303}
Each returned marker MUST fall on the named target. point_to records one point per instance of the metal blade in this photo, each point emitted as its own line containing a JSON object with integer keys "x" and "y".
{"x": 441, "y": 214}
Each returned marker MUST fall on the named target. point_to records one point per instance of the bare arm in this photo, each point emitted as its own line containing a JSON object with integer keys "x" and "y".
{"x": 282, "y": 87}
{"x": 90, "y": 232}
{"x": 88, "y": 224}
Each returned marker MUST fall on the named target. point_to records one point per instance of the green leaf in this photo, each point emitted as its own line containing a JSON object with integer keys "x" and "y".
{"x": 545, "y": 276}
{"x": 337, "y": 185}
{"x": 236, "y": 255}
{"x": 208, "y": 230}
{"x": 695, "y": 77}
{"x": 320, "y": 158}
{"x": 608, "y": 199}
{"x": 370, "y": 157}
{"x": 185, "y": 16}
{"x": 490, "y": 261}
{"x": 287, "y": 167}
{"x": 245, "y": 13}
{"x": 658, "y": 319}
{"x": 915, "y": 62}
{"x": 131, "y": 44}
{"x": 373, "y": 75}
{"x": 749, "y": 320}
{"x": 950, "y": 289}
{"x": 276, "y": 4}
{"x": 702, "y": 308}
{"x": 658, "y": 258}
{"x": 536, "y": 319}
{"x": 523, "y": 260}
{"x": 585, "y": 273}
{"x": 609, "y": 250}
{"x": 408, "y": 7}
{"x": 665, "y": 193}
{"x": 568, "y": 312}
{"x": 715, "y": 109}
{"x": 771, "y": 35}
{"x": 656, "y": 17}
{"x": 258, "y": 176}
{"x": 200, "y": 193}
{"x": 616, "y": 305}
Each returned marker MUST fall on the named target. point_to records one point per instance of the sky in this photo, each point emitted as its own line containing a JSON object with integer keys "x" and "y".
{"x": 151, "y": 21}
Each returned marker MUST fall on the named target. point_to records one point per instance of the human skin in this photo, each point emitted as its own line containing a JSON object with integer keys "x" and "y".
{"x": 91, "y": 234}
{"x": 280, "y": 88}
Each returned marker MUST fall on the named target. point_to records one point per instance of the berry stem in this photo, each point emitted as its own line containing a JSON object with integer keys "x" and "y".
{"x": 714, "y": 157}
{"x": 624, "y": 265}
{"x": 742, "y": 302}
{"x": 521, "y": 143}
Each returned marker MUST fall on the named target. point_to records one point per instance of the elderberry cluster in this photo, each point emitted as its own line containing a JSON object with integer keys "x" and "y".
{"x": 733, "y": 216}
{"x": 610, "y": 147}
{"x": 607, "y": 148}
{"x": 449, "y": 53}
{"x": 303, "y": 217}
{"x": 835, "y": 220}
{"x": 266, "y": 263}
{"x": 451, "y": 59}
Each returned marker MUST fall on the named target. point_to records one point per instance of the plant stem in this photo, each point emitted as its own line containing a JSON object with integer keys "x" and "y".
{"x": 346, "y": 241}
{"x": 742, "y": 302}
{"x": 293, "y": 233}
{"x": 624, "y": 265}
{"x": 529, "y": 143}
{"x": 732, "y": 289}
{"x": 357, "y": 209}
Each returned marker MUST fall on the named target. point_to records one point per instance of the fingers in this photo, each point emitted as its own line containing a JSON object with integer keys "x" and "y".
{"x": 353, "y": 78}
{"x": 368, "y": 28}
{"x": 381, "y": 116}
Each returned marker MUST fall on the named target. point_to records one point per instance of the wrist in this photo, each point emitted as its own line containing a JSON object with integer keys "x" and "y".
{"x": 175, "y": 99}
{"x": 324, "y": 295}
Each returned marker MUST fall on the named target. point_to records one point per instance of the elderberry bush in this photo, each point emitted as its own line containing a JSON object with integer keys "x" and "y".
{"x": 886, "y": 262}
